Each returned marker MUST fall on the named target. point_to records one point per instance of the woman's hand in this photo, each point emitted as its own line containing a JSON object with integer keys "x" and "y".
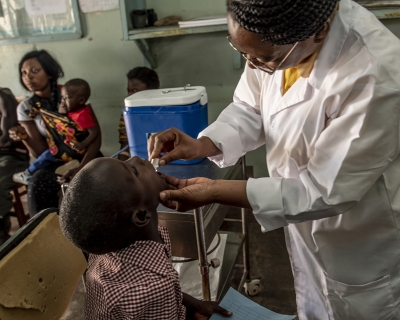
{"x": 178, "y": 145}
{"x": 173, "y": 142}
{"x": 188, "y": 194}
{"x": 197, "y": 192}
{"x": 18, "y": 133}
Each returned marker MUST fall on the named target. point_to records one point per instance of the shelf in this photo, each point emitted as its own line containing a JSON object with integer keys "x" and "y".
{"x": 390, "y": 13}
{"x": 156, "y": 32}
{"x": 141, "y": 36}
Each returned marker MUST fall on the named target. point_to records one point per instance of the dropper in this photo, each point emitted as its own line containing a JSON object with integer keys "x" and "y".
{"x": 156, "y": 163}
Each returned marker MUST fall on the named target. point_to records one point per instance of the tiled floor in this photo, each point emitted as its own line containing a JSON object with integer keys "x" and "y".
{"x": 268, "y": 260}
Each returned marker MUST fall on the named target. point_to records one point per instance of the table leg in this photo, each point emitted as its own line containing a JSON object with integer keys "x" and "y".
{"x": 202, "y": 253}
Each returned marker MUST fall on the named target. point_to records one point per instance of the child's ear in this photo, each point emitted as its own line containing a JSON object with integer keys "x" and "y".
{"x": 141, "y": 218}
{"x": 82, "y": 100}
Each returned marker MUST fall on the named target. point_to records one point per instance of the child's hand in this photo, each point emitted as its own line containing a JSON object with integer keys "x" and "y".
{"x": 202, "y": 310}
{"x": 78, "y": 146}
{"x": 205, "y": 310}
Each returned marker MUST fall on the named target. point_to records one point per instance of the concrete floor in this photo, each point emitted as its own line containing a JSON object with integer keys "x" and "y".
{"x": 268, "y": 260}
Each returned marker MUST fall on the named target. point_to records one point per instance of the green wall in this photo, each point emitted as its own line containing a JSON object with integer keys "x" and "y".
{"x": 103, "y": 59}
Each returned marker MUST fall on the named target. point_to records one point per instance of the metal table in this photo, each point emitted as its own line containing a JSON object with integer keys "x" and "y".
{"x": 196, "y": 229}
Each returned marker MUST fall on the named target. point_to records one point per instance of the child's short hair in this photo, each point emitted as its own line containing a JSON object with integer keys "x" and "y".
{"x": 81, "y": 84}
{"x": 148, "y": 76}
{"x": 95, "y": 214}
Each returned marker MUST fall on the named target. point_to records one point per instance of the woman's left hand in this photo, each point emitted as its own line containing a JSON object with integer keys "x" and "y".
{"x": 70, "y": 174}
{"x": 189, "y": 193}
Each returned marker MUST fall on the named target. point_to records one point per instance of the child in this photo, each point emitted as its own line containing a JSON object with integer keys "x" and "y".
{"x": 110, "y": 211}
{"x": 74, "y": 95}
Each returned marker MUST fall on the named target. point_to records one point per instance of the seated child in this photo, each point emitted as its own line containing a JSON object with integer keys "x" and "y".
{"x": 74, "y": 95}
{"x": 110, "y": 211}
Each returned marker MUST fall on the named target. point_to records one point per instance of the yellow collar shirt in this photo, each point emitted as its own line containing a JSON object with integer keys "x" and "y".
{"x": 291, "y": 75}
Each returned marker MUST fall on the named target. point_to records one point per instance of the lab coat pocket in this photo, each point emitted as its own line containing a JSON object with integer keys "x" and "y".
{"x": 371, "y": 301}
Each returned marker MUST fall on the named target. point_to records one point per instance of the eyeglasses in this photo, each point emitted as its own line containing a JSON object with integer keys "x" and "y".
{"x": 257, "y": 64}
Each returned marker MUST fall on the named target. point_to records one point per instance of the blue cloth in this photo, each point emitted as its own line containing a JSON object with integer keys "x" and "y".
{"x": 44, "y": 160}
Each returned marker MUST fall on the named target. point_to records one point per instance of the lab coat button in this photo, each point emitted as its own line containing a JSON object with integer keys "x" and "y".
{"x": 273, "y": 125}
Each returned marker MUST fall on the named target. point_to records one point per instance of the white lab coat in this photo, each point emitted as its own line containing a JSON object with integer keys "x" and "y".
{"x": 333, "y": 156}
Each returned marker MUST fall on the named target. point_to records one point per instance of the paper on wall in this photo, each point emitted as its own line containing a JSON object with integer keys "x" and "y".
{"x": 98, "y": 5}
{"x": 36, "y": 7}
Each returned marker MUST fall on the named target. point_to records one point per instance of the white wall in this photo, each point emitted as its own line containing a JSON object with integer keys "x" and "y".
{"x": 103, "y": 59}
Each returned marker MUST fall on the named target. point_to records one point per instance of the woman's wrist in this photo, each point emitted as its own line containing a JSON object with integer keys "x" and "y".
{"x": 229, "y": 192}
{"x": 207, "y": 148}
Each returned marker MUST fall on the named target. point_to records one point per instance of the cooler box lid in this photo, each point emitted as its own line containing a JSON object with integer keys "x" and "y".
{"x": 167, "y": 97}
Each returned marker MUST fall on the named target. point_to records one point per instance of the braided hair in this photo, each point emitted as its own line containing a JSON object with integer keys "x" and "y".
{"x": 51, "y": 67}
{"x": 282, "y": 21}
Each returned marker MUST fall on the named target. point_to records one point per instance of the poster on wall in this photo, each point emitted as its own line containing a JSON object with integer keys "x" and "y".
{"x": 35, "y": 7}
{"x": 38, "y": 20}
{"x": 98, "y": 5}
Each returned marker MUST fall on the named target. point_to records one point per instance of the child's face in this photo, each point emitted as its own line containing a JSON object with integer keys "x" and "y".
{"x": 137, "y": 180}
{"x": 135, "y": 85}
{"x": 71, "y": 98}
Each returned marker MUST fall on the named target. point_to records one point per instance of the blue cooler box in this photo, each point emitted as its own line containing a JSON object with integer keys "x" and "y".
{"x": 151, "y": 111}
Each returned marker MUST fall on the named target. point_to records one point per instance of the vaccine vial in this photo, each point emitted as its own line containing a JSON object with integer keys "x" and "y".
{"x": 155, "y": 162}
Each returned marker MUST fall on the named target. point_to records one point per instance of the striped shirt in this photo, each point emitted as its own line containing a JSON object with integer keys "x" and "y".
{"x": 137, "y": 282}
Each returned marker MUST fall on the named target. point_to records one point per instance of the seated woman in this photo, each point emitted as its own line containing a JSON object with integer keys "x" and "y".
{"x": 13, "y": 158}
{"x": 139, "y": 79}
{"x": 42, "y": 127}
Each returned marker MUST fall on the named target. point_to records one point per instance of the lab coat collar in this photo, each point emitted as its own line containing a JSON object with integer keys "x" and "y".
{"x": 327, "y": 58}
{"x": 333, "y": 44}
{"x": 325, "y": 61}
{"x": 297, "y": 93}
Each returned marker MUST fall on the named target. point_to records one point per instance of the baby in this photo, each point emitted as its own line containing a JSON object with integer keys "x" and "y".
{"x": 110, "y": 211}
{"x": 75, "y": 93}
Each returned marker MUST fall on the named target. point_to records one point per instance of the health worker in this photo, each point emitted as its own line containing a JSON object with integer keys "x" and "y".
{"x": 321, "y": 91}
